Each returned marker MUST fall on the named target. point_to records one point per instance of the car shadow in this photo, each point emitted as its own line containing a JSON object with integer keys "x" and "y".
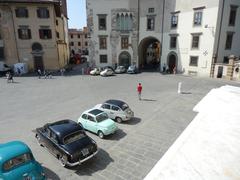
{"x": 148, "y": 99}
{"x": 119, "y": 134}
{"x": 133, "y": 121}
{"x": 50, "y": 174}
{"x": 97, "y": 163}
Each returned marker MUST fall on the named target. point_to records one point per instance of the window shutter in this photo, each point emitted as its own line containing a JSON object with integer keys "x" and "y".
{"x": 29, "y": 34}
{"x": 19, "y": 34}
{"x": 47, "y": 13}
{"x": 41, "y": 34}
{"x": 38, "y": 13}
{"x": 16, "y": 12}
{"x": 49, "y": 34}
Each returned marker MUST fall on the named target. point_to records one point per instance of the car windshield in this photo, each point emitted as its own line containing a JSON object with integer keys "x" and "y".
{"x": 101, "y": 117}
{"x": 124, "y": 106}
{"x": 16, "y": 161}
{"x": 74, "y": 137}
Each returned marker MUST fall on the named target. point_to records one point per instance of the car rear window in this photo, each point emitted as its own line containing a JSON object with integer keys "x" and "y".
{"x": 16, "y": 161}
{"x": 124, "y": 106}
{"x": 101, "y": 117}
{"x": 74, "y": 137}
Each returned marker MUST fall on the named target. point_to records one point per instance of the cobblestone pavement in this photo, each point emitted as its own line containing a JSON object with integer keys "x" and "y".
{"x": 138, "y": 144}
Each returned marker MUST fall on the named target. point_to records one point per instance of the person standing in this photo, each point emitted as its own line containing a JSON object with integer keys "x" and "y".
{"x": 39, "y": 73}
{"x": 139, "y": 89}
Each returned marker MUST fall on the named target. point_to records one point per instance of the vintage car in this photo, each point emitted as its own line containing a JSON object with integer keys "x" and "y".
{"x": 17, "y": 162}
{"x": 98, "y": 122}
{"x": 120, "y": 69}
{"x": 67, "y": 141}
{"x": 107, "y": 72}
{"x": 95, "y": 71}
{"x": 132, "y": 69}
{"x": 117, "y": 110}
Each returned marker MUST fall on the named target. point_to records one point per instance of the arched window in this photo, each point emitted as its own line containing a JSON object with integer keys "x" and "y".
{"x": 126, "y": 22}
{"x": 122, "y": 22}
{"x": 118, "y": 22}
{"x": 130, "y": 25}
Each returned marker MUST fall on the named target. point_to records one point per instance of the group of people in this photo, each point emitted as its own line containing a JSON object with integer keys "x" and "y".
{"x": 46, "y": 74}
{"x": 167, "y": 70}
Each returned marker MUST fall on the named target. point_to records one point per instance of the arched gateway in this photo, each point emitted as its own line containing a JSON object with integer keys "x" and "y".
{"x": 149, "y": 53}
{"x": 124, "y": 59}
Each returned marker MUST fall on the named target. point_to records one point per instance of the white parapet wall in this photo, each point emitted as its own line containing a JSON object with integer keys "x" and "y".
{"x": 209, "y": 147}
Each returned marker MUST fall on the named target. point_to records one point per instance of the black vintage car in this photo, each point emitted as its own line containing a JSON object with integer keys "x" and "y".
{"x": 68, "y": 141}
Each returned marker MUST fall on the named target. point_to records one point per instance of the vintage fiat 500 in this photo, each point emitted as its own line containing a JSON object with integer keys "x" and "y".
{"x": 17, "y": 162}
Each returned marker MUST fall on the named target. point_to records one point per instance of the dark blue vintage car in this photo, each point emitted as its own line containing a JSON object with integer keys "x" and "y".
{"x": 17, "y": 162}
{"x": 68, "y": 141}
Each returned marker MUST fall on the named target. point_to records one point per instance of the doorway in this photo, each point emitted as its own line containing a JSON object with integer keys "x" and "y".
{"x": 124, "y": 59}
{"x": 172, "y": 62}
{"x": 38, "y": 63}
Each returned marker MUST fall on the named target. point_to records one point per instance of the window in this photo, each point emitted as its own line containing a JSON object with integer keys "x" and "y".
{"x": 174, "y": 20}
{"x": 115, "y": 108}
{"x": 173, "y": 42}
{"x": 193, "y": 61}
{"x": 54, "y": 138}
{"x": 232, "y": 16}
{"x": 71, "y": 36}
{"x": 86, "y": 43}
{"x": 197, "y": 19}
{"x": 74, "y": 137}
{"x": 84, "y": 116}
{"x": 102, "y": 43}
{"x": 229, "y": 39}
{"x": 45, "y": 33}
{"x": 225, "y": 60}
{"x": 150, "y": 23}
{"x": 102, "y": 22}
{"x": 24, "y": 33}
{"x": 86, "y": 36}
{"x": 103, "y": 59}
{"x": 150, "y": 10}
{"x": 79, "y": 43}
{"x": 21, "y": 12}
{"x": 90, "y": 118}
{"x": 106, "y": 106}
{"x": 78, "y": 36}
{"x": 195, "y": 41}
{"x": 124, "y": 42}
{"x": 57, "y": 34}
{"x": 57, "y": 22}
{"x": 42, "y": 13}
{"x": 16, "y": 161}
{"x": 124, "y": 22}
{"x": 101, "y": 117}
{"x": 71, "y": 43}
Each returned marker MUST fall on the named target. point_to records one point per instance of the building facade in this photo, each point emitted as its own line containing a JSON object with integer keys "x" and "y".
{"x": 34, "y": 32}
{"x": 78, "y": 40}
{"x": 189, "y": 37}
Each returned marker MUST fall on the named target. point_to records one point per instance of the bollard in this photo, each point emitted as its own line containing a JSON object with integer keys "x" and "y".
{"x": 179, "y": 87}
{"x": 82, "y": 71}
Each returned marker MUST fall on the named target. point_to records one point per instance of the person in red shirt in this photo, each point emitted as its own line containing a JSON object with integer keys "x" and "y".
{"x": 139, "y": 90}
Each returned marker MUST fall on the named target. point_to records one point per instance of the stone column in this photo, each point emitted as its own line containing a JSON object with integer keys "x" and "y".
{"x": 230, "y": 68}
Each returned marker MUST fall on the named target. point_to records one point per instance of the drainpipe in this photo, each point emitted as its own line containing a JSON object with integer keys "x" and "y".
{"x": 14, "y": 29}
{"x": 162, "y": 35}
{"x": 215, "y": 56}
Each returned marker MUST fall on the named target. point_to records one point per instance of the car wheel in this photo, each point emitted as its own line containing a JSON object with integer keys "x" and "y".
{"x": 38, "y": 139}
{"x": 118, "y": 119}
{"x": 100, "y": 134}
{"x": 63, "y": 161}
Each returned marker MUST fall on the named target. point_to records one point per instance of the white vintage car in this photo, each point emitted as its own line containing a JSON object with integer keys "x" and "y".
{"x": 107, "y": 72}
{"x": 116, "y": 110}
{"x": 95, "y": 71}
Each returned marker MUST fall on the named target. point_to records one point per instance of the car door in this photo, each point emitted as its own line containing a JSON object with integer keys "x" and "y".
{"x": 48, "y": 141}
{"x": 115, "y": 112}
{"x": 84, "y": 121}
{"x": 55, "y": 144}
{"x": 107, "y": 109}
{"x": 92, "y": 124}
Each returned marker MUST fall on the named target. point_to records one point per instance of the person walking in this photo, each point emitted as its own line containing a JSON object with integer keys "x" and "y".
{"x": 139, "y": 90}
{"x": 39, "y": 73}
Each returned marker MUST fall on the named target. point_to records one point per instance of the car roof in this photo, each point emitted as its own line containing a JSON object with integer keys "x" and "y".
{"x": 115, "y": 102}
{"x": 64, "y": 127}
{"x": 12, "y": 149}
{"x": 95, "y": 112}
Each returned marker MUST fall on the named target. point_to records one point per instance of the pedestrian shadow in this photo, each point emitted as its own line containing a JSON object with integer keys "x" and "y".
{"x": 148, "y": 99}
{"x": 14, "y": 82}
{"x": 133, "y": 121}
{"x": 50, "y": 174}
{"x": 119, "y": 134}
{"x": 186, "y": 93}
{"x": 97, "y": 163}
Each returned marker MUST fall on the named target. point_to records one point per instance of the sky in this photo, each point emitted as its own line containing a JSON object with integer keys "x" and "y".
{"x": 76, "y": 13}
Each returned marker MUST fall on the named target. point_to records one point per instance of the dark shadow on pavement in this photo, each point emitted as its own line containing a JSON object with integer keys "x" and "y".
{"x": 97, "y": 163}
{"x": 119, "y": 134}
{"x": 50, "y": 175}
{"x": 133, "y": 121}
{"x": 148, "y": 100}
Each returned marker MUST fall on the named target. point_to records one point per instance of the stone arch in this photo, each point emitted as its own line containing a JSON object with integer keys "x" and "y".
{"x": 124, "y": 59}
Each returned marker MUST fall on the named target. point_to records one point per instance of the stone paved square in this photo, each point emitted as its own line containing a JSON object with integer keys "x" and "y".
{"x": 132, "y": 152}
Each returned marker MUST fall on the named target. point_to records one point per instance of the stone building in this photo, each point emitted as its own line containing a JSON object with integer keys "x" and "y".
{"x": 34, "y": 32}
{"x": 189, "y": 36}
{"x": 78, "y": 40}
